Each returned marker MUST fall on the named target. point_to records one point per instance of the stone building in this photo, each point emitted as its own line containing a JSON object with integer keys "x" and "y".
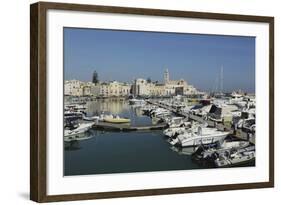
{"x": 178, "y": 87}
{"x": 114, "y": 89}
{"x": 73, "y": 88}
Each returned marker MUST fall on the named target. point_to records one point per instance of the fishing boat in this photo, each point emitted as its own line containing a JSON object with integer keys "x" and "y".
{"x": 203, "y": 135}
{"x": 116, "y": 119}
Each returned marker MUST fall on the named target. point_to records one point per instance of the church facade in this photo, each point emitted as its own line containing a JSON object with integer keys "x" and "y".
{"x": 169, "y": 88}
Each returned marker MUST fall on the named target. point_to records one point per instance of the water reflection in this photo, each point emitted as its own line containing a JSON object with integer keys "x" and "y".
{"x": 119, "y": 107}
{"x": 113, "y": 106}
{"x": 72, "y": 146}
{"x": 78, "y": 137}
{"x": 72, "y": 143}
{"x": 119, "y": 152}
{"x": 183, "y": 150}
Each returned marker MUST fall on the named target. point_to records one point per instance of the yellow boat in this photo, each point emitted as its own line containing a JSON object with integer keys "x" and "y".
{"x": 116, "y": 120}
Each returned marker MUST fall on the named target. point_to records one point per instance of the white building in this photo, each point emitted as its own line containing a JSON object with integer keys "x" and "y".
{"x": 73, "y": 88}
{"x": 95, "y": 89}
{"x": 114, "y": 89}
{"x": 178, "y": 87}
{"x": 141, "y": 87}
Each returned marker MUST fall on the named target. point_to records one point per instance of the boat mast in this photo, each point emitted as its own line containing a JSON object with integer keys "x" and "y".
{"x": 221, "y": 79}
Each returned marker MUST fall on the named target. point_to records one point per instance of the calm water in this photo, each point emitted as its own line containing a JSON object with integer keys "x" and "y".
{"x": 121, "y": 152}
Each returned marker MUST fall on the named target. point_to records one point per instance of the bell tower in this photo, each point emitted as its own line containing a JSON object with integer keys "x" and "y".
{"x": 166, "y": 76}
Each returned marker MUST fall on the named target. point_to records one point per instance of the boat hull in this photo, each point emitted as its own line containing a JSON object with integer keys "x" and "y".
{"x": 199, "y": 140}
{"x": 235, "y": 162}
{"x": 117, "y": 121}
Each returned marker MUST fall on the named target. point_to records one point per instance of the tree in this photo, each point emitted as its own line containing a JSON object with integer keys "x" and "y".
{"x": 95, "y": 78}
{"x": 148, "y": 80}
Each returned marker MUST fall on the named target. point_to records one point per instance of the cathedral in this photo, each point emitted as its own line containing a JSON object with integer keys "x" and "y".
{"x": 141, "y": 87}
{"x": 175, "y": 87}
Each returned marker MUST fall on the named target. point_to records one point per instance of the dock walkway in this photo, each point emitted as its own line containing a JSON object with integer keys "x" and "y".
{"x": 127, "y": 127}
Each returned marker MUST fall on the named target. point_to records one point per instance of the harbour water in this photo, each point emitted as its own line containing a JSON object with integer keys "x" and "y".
{"x": 121, "y": 152}
{"x": 107, "y": 152}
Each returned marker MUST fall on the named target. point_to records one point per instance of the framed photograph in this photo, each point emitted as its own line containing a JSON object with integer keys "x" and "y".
{"x": 135, "y": 102}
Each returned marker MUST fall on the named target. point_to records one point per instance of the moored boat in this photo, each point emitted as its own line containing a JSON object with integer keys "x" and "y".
{"x": 116, "y": 119}
{"x": 91, "y": 118}
{"x": 135, "y": 101}
{"x": 203, "y": 135}
{"x": 237, "y": 158}
{"x": 82, "y": 128}
{"x": 225, "y": 146}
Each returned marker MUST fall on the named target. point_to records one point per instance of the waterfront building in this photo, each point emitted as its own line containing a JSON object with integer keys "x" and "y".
{"x": 157, "y": 90}
{"x": 114, "y": 89}
{"x": 87, "y": 90}
{"x": 141, "y": 87}
{"x": 104, "y": 89}
{"x": 125, "y": 89}
{"x": 73, "y": 87}
{"x": 178, "y": 87}
{"x": 95, "y": 89}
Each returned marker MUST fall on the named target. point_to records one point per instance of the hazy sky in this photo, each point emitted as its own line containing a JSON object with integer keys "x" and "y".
{"x": 125, "y": 55}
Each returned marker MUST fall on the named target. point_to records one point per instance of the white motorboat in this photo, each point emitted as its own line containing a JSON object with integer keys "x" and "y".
{"x": 175, "y": 131}
{"x": 163, "y": 114}
{"x": 91, "y": 118}
{"x": 175, "y": 122}
{"x": 200, "y": 110}
{"x": 77, "y": 137}
{"x": 203, "y": 135}
{"x": 79, "y": 130}
{"x": 135, "y": 101}
{"x": 72, "y": 114}
{"x": 160, "y": 112}
{"x": 236, "y": 98}
{"x": 148, "y": 108}
{"x": 236, "y": 158}
{"x": 116, "y": 119}
{"x": 184, "y": 150}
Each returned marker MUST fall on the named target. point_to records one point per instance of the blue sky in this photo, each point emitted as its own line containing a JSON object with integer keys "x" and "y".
{"x": 125, "y": 55}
